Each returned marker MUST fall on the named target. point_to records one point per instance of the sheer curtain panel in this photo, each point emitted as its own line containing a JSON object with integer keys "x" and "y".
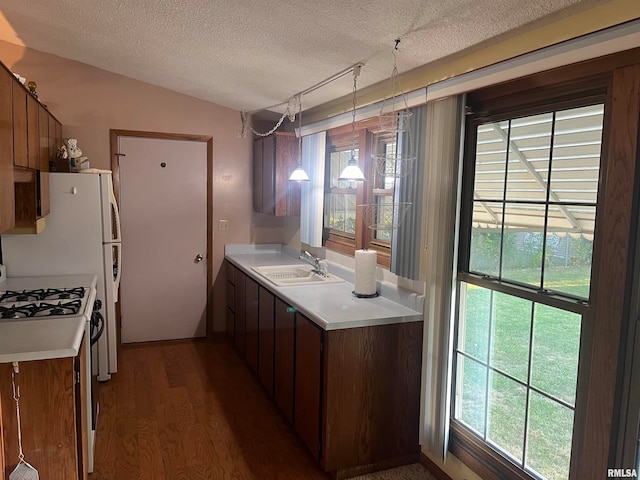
{"x": 407, "y": 238}
{"x": 444, "y": 122}
{"x": 312, "y": 192}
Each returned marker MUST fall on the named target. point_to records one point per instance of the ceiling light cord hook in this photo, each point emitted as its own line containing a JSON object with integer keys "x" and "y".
{"x": 394, "y": 51}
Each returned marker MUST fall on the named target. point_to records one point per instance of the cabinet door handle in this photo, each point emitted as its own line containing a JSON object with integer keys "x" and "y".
{"x": 199, "y": 258}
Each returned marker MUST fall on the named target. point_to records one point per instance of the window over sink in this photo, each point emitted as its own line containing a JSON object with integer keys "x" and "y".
{"x": 345, "y": 226}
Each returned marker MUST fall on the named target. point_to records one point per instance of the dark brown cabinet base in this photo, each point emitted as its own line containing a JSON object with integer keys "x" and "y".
{"x": 53, "y": 417}
{"x": 284, "y": 360}
{"x": 371, "y": 397}
{"x": 352, "y": 395}
{"x": 308, "y": 384}
{"x": 251, "y": 323}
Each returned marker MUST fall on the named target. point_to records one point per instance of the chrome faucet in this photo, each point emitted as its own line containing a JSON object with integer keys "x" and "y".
{"x": 319, "y": 266}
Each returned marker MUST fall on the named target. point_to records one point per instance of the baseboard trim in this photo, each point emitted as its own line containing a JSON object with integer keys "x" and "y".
{"x": 435, "y": 470}
{"x": 375, "y": 467}
{"x": 164, "y": 342}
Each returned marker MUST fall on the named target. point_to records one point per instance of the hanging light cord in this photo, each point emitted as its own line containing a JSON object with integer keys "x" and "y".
{"x": 356, "y": 72}
{"x": 300, "y": 132}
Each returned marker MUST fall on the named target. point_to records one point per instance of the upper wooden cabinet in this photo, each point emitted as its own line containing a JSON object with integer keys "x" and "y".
{"x": 7, "y": 197}
{"x": 33, "y": 132}
{"x": 274, "y": 158}
{"x": 46, "y": 154}
{"x": 20, "y": 144}
{"x": 29, "y": 138}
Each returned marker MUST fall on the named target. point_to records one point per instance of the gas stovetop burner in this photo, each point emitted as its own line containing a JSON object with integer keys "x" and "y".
{"x": 11, "y": 296}
{"x": 49, "y": 309}
{"x": 14, "y": 311}
{"x": 41, "y": 309}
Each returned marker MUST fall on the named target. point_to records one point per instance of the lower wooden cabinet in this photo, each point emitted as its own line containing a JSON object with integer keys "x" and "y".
{"x": 231, "y": 301}
{"x": 308, "y": 383}
{"x": 53, "y": 417}
{"x": 2, "y": 466}
{"x": 284, "y": 360}
{"x": 352, "y": 395}
{"x": 266, "y": 321}
{"x": 371, "y": 396}
{"x": 240, "y": 313}
{"x": 251, "y": 296}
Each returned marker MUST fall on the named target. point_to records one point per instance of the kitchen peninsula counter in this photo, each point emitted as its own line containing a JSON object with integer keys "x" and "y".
{"x": 330, "y": 306}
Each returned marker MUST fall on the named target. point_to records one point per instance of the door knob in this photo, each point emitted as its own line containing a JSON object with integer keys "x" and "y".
{"x": 199, "y": 258}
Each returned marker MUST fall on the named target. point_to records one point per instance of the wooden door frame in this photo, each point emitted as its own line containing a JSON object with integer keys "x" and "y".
{"x": 115, "y": 169}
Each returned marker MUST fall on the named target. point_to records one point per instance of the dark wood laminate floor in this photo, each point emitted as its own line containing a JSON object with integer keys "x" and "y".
{"x": 193, "y": 410}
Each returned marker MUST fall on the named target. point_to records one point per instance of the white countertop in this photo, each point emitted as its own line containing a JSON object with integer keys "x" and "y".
{"x": 330, "y": 306}
{"x": 46, "y": 337}
{"x": 42, "y": 339}
{"x": 52, "y": 281}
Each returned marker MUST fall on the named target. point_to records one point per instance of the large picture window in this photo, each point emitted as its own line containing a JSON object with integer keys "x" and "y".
{"x": 530, "y": 192}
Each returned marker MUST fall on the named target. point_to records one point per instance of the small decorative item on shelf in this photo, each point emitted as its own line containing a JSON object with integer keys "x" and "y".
{"x": 384, "y": 216}
{"x": 61, "y": 161}
{"x": 20, "y": 78}
{"x": 62, "y": 152}
{"x": 75, "y": 154}
{"x": 32, "y": 88}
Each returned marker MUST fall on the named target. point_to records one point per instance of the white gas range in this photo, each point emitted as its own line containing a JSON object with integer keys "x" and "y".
{"x": 47, "y": 317}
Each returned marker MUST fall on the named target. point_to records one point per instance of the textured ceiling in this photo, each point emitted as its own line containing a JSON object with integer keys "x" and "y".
{"x": 252, "y": 54}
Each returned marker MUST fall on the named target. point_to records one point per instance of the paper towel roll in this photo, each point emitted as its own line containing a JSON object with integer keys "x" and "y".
{"x": 366, "y": 261}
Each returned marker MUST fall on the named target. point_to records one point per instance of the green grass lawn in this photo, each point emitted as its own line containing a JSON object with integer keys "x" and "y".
{"x": 505, "y": 342}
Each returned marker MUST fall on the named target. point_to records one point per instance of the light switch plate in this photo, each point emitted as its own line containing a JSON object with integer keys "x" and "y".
{"x": 223, "y": 225}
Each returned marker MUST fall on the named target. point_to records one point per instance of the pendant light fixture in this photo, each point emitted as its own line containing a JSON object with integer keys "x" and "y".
{"x": 352, "y": 171}
{"x": 299, "y": 175}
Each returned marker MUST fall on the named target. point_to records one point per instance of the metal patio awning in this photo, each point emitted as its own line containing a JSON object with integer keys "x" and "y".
{"x": 569, "y": 141}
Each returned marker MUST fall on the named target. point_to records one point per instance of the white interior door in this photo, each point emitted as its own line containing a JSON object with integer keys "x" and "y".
{"x": 163, "y": 214}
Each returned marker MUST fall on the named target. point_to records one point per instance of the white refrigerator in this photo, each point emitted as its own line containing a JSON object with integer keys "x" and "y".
{"x": 82, "y": 236}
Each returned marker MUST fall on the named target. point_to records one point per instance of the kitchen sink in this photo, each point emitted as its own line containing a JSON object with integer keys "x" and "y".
{"x": 289, "y": 275}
